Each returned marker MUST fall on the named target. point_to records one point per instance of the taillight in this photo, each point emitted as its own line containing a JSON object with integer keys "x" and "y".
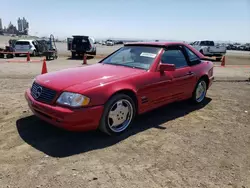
{"x": 90, "y": 46}
{"x": 30, "y": 46}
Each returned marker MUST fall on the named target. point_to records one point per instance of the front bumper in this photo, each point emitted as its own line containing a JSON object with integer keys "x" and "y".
{"x": 82, "y": 119}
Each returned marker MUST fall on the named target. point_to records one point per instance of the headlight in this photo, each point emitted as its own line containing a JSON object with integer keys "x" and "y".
{"x": 73, "y": 99}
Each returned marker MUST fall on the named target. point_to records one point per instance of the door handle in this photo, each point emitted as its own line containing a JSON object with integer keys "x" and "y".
{"x": 190, "y": 73}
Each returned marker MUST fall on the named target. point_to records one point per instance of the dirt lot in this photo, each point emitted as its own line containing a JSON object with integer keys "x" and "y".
{"x": 179, "y": 145}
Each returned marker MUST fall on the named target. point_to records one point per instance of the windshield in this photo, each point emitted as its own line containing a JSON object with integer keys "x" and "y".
{"x": 140, "y": 57}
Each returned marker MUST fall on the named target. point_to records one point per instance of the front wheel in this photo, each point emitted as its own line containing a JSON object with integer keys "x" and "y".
{"x": 33, "y": 53}
{"x": 118, "y": 114}
{"x": 200, "y": 91}
{"x": 94, "y": 53}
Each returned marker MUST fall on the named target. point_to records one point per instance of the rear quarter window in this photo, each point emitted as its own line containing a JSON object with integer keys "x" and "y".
{"x": 174, "y": 56}
{"x": 191, "y": 55}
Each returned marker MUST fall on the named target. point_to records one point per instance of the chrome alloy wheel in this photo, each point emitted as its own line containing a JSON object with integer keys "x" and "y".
{"x": 120, "y": 115}
{"x": 201, "y": 91}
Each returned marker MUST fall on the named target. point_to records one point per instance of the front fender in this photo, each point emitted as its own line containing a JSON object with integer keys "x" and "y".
{"x": 101, "y": 94}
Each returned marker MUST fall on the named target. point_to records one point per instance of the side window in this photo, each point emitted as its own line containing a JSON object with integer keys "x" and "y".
{"x": 191, "y": 55}
{"x": 203, "y": 43}
{"x": 174, "y": 56}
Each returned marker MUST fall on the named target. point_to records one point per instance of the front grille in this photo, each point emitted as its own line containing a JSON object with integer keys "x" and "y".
{"x": 42, "y": 94}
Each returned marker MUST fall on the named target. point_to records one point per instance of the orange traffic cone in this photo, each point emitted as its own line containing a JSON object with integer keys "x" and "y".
{"x": 84, "y": 59}
{"x": 223, "y": 63}
{"x": 44, "y": 68}
{"x": 28, "y": 57}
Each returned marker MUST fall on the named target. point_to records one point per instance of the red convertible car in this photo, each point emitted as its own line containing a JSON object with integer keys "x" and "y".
{"x": 135, "y": 79}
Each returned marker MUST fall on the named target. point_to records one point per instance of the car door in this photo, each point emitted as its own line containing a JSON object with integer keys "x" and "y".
{"x": 183, "y": 77}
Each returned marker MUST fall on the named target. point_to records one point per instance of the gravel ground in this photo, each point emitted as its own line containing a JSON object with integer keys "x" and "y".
{"x": 179, "y": 145}
{"x": 176, "y": 146}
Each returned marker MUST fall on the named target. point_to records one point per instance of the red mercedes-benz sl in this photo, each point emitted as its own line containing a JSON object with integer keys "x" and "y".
{"x": 135, "y": 79}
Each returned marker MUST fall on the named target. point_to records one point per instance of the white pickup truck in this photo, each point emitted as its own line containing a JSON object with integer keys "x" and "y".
{"x": 208, "y": 48}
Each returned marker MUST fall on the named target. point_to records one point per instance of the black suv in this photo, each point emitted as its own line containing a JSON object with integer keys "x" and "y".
{"x": 79, "y": 45}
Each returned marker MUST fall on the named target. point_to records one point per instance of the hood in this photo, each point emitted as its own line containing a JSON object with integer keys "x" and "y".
{"x": 85, "y": 77}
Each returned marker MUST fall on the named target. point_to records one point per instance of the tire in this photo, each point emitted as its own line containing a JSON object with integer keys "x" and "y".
{"x": 73, "y": 55}
{"x": 93, "y": 53}
{"x": 199, "y": 96}
{"x": 218, "y": 58}
{"x": 125, "y": 115}
{"x": 33, "y": 53}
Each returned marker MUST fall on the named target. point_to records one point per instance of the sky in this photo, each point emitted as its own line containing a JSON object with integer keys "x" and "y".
{"x": 189, "y": 20}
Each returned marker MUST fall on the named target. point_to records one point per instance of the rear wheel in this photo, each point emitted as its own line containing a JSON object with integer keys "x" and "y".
{"x": 118, "y": 114}
{"x": 218, "y": 58}
{"x": 73, "y": 55}
{"x": 33, "y": 53}
{"x": 200, "y": 91}
{"x": 93, "y": 53}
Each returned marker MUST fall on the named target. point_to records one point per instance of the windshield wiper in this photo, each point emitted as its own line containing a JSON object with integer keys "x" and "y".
{"x": 123, "y": 65}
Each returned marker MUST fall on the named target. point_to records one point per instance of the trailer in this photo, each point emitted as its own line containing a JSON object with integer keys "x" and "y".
{"x": 48, "y": 48}
{"x": 51, "y": 51}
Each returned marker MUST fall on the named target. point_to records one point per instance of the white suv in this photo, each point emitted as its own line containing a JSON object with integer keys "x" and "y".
{"x": 26, "y": 46}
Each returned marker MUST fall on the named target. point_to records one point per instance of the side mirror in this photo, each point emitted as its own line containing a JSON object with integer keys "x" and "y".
{"x": 166, "y": 67}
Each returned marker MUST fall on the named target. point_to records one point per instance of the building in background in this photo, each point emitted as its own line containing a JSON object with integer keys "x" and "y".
{"x": 21, "y": 29}
{"x": 19, "y": 25}
{"x": 11, "y": 29}
{"x": 1, "y": 25}
{"x": 22, "y": 25}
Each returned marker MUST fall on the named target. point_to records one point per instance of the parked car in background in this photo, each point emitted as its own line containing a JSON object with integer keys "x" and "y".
{"x": 26, "y": 46}
{"x": 79, "y": 45}
{"x": 135, "y": 79}
{"x": 208, "y": 48}
{"x": 119, "y": 42}
{"x": 110, "y": 43}
{"x": 231, "y": 47}
{"x": 247, "y": 47}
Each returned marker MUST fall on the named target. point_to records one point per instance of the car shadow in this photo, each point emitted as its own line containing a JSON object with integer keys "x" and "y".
{"x": 56, "y": 142}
